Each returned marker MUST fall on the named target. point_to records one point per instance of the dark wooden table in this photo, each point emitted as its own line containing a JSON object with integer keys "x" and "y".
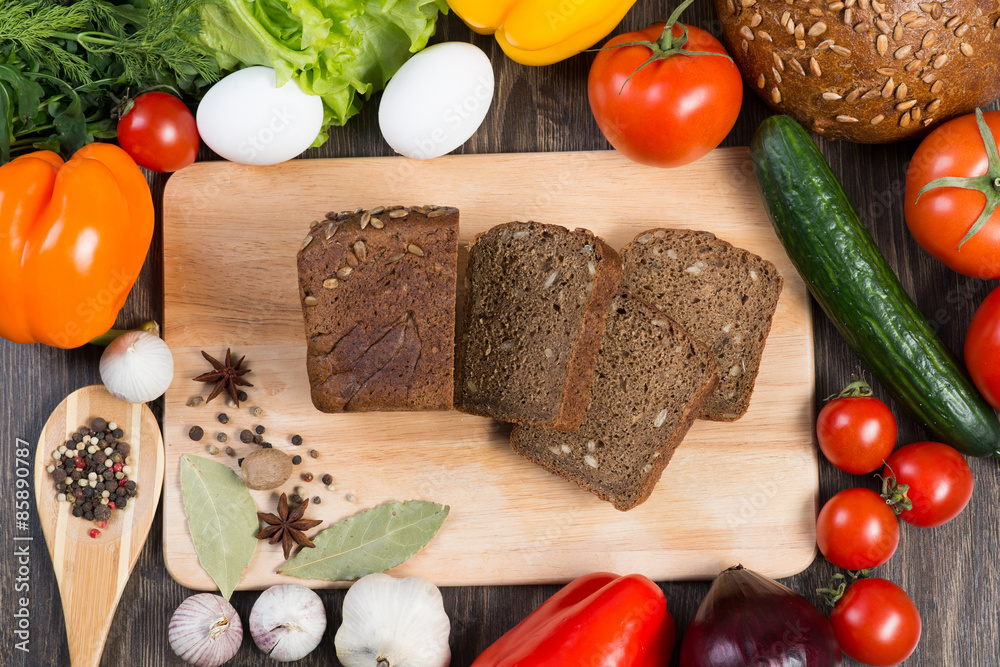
{"x": 951, "y": 572}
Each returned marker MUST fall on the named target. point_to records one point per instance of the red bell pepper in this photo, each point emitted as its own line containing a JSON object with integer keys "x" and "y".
{"x": 598, "y": 620}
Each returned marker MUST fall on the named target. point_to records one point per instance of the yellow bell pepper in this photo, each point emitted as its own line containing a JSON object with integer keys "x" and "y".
{"x": 542, "y": 32}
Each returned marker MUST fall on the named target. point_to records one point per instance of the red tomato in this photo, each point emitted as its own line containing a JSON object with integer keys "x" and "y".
{"x": 159, "y": 132}
{"x": 856, "y": 433}
{"x": 982, "y": 349}
{"x": 857, "y": 530}
{"x": 939, "y": 478}
{"x": 672, "y": 111}
{"x": 876, "y": 623}
{"x": 943, "y": 216}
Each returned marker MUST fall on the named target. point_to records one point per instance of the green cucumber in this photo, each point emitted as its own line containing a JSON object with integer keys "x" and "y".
{"x": 854, "y": 285}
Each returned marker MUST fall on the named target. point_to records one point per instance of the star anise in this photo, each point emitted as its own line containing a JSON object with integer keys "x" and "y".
{"x": 288, "y": 527}
{"x": 225, "y": 376}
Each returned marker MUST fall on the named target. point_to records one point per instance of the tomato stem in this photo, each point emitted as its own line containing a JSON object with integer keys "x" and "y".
{"x": 664, "y": 46}
{"x": 895, "y": 492}
{"x": 988, "y": 184}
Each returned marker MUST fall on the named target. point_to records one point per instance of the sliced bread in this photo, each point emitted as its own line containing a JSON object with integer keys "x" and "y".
{"x": 536, "y": 300}
{"x": 723, "y": 295}
{"x": 652, "y": 379}
{"x": 378, "y": 300}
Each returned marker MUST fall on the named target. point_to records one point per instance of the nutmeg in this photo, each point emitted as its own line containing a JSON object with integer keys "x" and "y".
{"x": 266, "y": 469}
{"x": 869, "y": 71}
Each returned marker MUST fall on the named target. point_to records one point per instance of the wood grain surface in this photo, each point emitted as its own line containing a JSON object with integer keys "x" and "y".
{"x": 951, "y": 572}
{"x": 500, "y": 503}
{"x": 92, "y": 572}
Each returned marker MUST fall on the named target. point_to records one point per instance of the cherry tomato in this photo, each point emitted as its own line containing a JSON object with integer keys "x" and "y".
{"x": 673, "y": 110}
{"x": 943, "y": 216}
{"x": 982, "y": 349}
{"x": 857, "y": 530}
{"x": 856, "y": 433}
{"x": 939, "y": 478}
{"x": 876, "y": 623}
{"x": 159, "y": 132}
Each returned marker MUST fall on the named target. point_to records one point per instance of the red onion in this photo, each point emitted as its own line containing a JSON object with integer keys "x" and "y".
{"x": 748, "y": 620}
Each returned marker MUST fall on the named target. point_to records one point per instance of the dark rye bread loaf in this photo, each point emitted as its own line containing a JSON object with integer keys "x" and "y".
{"x": 378, "y": 299}
{"x": 723, "y": 295}
{"x": 651, "y": 381}
{"x": 536, "y": 301}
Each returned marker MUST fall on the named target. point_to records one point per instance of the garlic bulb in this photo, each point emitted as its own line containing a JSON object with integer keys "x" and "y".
{"x": 287, "y": 622}
{"x": 205, "y": 630}
{"x": 137, "y": 367}
{"x": 390, "y": 622}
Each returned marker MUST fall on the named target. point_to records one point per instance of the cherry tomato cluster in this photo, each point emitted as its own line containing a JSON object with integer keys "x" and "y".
{"x": 926, "y": 484}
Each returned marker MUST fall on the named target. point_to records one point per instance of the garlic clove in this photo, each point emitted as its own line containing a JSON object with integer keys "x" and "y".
{"x": 205, "y": 630}
{"x": 287, "y": 622}
{"x": 137, "y": 367}
{"x": 390, "y": 622}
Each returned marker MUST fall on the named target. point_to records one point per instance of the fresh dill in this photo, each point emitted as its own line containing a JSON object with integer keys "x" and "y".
{"x": 65, "y": 65}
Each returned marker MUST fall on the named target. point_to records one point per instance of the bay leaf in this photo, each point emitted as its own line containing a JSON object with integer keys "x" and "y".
{"x": 222, "y": 518}
{"x": 375, "y": 540}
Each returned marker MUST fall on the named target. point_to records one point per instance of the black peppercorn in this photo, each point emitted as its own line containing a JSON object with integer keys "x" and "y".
{"x": 259, "y": 429}
{"x": 88, "y": 492}
{"x": 222, "y": 437}
{"x": 296, "y": 440}
{"x": 77, "y": 437}
{"x": 75, "y": 475}
{"x": 328, "y": 479}
{"x": 121, "y": 502}
{"x": 120, "y": 491}
{"x": 242, "y": 395}
{"x": 196, "y": 433}
{"x": 78, "y": 511}
{"x": 230, "y": 451}
{"x": 313, "y": 453}
{"x": 59, "y": 475}
{"x": 130, "y": 485}
{"x": 99, "y": 486}
{"x": 124, "y": 448}
{"x": 258, "y": 440}
{"x": 102, "y": 512}
{"x": 89, "y": 516}
{"x": 296, "y": 459}
{"x": 108, "y": 475}
{"x": 266, "y": 445}
{"x": 118, "y": 433}
{"x": 317, "y": 500}
{"x": 223, "y": 418}
{"x": 60, "y": 487}
{"x": 296, "y": 499}
{"x": 98, "y": 424}
{"x": 246, "y": 436}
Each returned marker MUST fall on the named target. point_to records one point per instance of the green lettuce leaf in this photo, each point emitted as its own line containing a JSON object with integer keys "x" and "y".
{"x": 341, "y": 50}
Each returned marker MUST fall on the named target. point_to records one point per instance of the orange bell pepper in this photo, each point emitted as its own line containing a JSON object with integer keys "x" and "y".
{"x": 73, "y": 238}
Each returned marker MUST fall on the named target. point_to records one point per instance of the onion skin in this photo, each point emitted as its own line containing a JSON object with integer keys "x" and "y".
{"x": 196, "y": 621}
{"x": 749, "y": 620}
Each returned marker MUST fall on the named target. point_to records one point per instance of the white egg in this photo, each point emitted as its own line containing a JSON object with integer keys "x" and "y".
{"x": 437, "y": 100}
{"x": 246, "y": 118}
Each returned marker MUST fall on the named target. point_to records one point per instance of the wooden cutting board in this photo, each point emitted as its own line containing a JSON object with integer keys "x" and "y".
{"x": 743, "y": 492}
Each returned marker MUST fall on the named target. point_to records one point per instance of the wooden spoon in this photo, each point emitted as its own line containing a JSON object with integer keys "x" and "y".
{"x": 92, "y": 571}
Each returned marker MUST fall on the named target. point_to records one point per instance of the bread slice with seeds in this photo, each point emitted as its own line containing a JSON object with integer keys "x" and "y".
{"x": 378, "y": 299}
{"x": 536, "y": 302}
{"x": 651, "y": 381}
{"x": 723, "y": 295}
